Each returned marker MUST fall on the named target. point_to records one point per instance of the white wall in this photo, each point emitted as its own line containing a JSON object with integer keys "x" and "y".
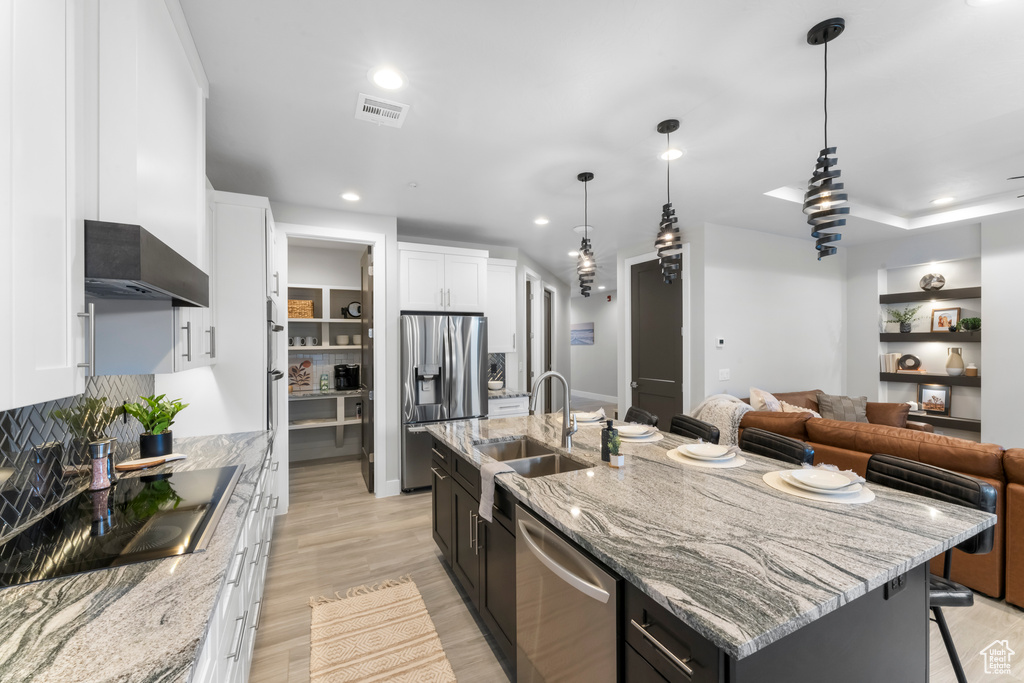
{"x": 595, "y": 368}
{"x": 335, "y": 267}
{"x": 331, "y": 224}
{"x": 1002, "y": 254}
{"x": 780, "y": 310}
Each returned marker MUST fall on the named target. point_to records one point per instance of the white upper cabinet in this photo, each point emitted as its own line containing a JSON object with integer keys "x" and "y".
{"x": 501, "y": 306}
{"x": 442, "y": 279}
{"x": 41, "y": 230}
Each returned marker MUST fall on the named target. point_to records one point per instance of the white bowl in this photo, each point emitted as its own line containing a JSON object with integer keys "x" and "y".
{"x": 820, "y": 479}
{"x": 494, "y": 386}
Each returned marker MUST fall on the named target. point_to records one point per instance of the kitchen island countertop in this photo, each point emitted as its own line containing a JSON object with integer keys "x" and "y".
{"x": 739, "y": 562}
{"x": 141, "y": 622}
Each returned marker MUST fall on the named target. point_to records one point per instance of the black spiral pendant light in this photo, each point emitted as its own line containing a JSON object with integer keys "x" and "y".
{"x": 586, "y": 264}
{"x": 824, "y": 197}
{"x": 669, "y": 242}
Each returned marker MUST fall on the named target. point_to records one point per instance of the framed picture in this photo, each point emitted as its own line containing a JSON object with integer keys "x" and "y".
{"x": 934, "y": 398}
{"x": 942, "y": 318}
{"x": 581, "y": 334}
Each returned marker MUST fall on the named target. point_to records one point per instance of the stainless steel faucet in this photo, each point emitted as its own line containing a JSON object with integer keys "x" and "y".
{"x": 568, "y": 420}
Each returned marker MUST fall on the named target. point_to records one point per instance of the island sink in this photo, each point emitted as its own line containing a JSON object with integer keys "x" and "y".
{"x": 522, "y": 447}
{"x": 544, "y": 465}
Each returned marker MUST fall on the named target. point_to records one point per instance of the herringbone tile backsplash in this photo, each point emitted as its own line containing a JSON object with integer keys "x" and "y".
{"x": 42, "y": 441}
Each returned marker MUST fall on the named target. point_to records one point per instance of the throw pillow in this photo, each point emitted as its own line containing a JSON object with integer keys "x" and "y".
{"x": 790, "y": 408}
{"x": 844, "y": 408}
{"x": 762, "y": 400}
{"x": 891, "y": 414}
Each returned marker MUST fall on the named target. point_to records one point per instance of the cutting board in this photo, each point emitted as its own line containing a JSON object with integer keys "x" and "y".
{"x": 143, "y": 463}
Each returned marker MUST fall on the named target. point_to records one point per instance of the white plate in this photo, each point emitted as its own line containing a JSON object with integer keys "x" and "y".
{"x": 820, "y": 479}
{"x": 708, "y": 451}
{"x": 587, "y": 417}
{"x": 651, "y": 438}
{"x": 787, "y": 476}
{"x": 636, "y": 431}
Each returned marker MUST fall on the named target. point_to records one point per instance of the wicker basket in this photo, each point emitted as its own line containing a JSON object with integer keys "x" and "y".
{"x": 300, "y": 308}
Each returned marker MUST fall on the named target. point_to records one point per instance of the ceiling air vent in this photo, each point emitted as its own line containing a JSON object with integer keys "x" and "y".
{"x": 380, "y": 111}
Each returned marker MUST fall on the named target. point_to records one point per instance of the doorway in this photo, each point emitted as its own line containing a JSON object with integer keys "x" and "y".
{"x": 656, "y": 342}
{"x": 548, "y": 325}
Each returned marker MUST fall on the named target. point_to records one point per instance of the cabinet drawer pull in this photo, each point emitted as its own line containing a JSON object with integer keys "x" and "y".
{"x": 439, "y": 475}
{"x": 680, "y": 663}
{"x": 241, "y": 564}
{"x": 276, "y": 465}
{"x": 241, "y": 634}
{"x": 256, "y": 555}
{"x": 438, "y": 453}
{"x": 90, "y": 362}
{"x": 510, "y": 406}
{"x": 259, "y": 613}
{"x": 277, "y": 501}
{"x": 259, "y": 499}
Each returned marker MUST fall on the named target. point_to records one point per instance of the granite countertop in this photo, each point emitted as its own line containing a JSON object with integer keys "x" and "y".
{"x": 507, "y": 393}
{"x": 142, "y": 622}
{"x": 741, "y": 563}
{"x": 311, "y": 395}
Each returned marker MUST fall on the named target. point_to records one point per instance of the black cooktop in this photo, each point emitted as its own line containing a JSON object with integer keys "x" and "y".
{"x": 138, "y": 519}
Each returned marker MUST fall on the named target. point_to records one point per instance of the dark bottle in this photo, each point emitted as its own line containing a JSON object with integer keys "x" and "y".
{"x": 609, "y": 442}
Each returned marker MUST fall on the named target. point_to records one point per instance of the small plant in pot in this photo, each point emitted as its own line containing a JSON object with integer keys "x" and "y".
{"x": 905, "y": 318}
{"x": 156, "y": 416}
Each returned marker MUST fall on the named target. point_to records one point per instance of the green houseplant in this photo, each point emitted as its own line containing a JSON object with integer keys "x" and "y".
{"x": 970, "y": 324}
{"x": 156, "y": 416}
{"x": 905, "y": 317}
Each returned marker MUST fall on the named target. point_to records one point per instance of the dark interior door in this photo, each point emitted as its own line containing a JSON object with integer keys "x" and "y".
{"x": 366, "y": 367}
{"x": 656, "y": 333}
{"x": 548, "y": 319}
{"x": 529, "y": 336}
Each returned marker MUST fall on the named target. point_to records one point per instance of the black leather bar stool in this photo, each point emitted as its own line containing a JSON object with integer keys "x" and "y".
{"x": 641, "y": 416}
{"x": 939, "y": 484}
{"x": 691, "y": 427}
{"x": 776, "y": 446}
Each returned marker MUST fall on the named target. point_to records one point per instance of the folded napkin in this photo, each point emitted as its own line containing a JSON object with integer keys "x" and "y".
{"x": 487, "y": 473}
{"x": 849, "y": 474}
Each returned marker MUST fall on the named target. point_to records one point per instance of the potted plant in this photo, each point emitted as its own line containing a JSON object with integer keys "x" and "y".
{"x": 905, "y": 317}
{"x": 156, "y": 416}
{"x": 88, "y": 421}
{"x": 970, "y": 324}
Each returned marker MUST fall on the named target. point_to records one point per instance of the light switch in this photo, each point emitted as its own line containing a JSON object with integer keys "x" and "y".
{"x": 723, "y": 375}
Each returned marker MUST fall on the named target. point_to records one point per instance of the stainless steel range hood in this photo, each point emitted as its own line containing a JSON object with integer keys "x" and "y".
{"x": 127, "y": 262}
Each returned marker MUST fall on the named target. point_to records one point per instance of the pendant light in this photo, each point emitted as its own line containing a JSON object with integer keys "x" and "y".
{"x": 669, "y": 242}
{"x": 824, "y": 196}
{"x": 586, "y": 264}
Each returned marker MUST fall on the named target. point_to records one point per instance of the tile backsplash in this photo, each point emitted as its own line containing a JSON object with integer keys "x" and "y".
{"x": 496, "y": 367}
{"x": 38, "y": 442}
{"x": 321, "y": 363}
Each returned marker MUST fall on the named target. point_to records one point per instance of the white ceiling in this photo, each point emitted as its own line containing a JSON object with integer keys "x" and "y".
{"x": 511, "y": 100}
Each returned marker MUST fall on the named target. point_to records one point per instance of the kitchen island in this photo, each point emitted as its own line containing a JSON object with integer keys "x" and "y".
{"x": 144, "y": 622}
{"x": 739, "y": 563}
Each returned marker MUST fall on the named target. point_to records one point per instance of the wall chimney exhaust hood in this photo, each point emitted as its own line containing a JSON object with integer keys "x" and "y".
{"x": 127, "y": 262}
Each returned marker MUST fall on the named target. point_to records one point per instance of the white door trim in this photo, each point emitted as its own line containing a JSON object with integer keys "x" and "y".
{"x": 535, "y": 344}
{"x": 626, "y": 296}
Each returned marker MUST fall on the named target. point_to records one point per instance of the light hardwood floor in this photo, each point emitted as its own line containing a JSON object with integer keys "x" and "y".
{"x": 336, "y": 536}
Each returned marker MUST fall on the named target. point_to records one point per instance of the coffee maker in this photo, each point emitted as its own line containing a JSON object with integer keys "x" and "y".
{"x": 346, "y": 377}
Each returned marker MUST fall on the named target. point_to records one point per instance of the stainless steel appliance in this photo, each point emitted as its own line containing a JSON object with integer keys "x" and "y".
{"x": 273, "y": 374}
{"x": 566, "y": 609}
{"x": 444, "y": 377}
{"x": 139, "y": 519}
{"x": 346, "y": 376}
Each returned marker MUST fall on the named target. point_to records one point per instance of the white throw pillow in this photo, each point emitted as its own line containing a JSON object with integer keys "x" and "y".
{"x": 762, "y": 400}
{"x": 790, "y": 408}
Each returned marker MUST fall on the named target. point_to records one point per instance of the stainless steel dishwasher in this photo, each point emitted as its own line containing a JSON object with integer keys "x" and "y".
{"x": 566, "y": 609}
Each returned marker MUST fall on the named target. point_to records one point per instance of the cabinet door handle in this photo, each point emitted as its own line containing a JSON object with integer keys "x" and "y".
{"x": 188, "y": 341}
{"x": 256, "y": 555}
{"x": 442, "y": 297}
{"x": 439, "y": 475}
{"x": 277, "y": 283}
{"x": 477, "y": 527}
{"x": 212, "y": 353}
{"x": 90, "y": 363}
{"x": 241, "y": 564}
{"x": 681, "y": 664}
{"x": 438, "y": 453}
{"x": 276, "y": 465}
{"x": 513, "y": 340}
{"x": 241, "y": 633}
{"x": 259, "y": 613}
{"x": 259, "y": 499}
{"x": 449, "y": 298}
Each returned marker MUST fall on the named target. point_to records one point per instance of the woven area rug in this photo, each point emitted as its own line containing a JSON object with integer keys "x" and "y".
{"x": 376, "y": 633}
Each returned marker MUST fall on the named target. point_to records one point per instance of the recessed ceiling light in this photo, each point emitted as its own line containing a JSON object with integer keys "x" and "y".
{"x": 574, "y": 253}
{"x": 388, "y": 78}
{"x": 541, "y": 221}
{"x": 601, "y": 287}
{"x": 671, "y": 154}
{"x": 350, "y": 196}
{"x": 943, "y": 200}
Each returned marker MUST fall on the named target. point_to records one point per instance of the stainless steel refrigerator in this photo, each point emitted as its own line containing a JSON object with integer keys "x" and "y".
{"x": 444, "y": 377}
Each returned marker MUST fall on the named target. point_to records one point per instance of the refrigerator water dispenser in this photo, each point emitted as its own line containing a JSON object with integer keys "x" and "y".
{"x": 428, "y": 385}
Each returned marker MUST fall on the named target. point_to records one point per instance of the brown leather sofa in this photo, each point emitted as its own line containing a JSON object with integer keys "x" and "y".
{"x": 849, "y": 445}
{"x": 1013, "y": 466}
{"x": 889, "y": 414}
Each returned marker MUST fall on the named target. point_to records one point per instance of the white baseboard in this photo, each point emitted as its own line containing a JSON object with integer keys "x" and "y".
{"x": 597, "y": 397}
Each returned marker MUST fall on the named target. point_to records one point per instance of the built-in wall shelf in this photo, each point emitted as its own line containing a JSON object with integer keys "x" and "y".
{"x": 314, "y": 349}
{"x": 311, "y": 424}
{"x": 921, "y": 378}
{"x": 325, "y": 320}
{"x": 950, "y": 337}
{"x": 962, "y": 423}
{"x": 938, "y": 295}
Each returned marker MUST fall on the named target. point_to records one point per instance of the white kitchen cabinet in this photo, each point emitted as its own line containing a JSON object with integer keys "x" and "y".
{"x": 517, "y": 406}
{"x": 442, "y": 278}
{"x": 41, "y": 230}
{"x": 501, "y": 306}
